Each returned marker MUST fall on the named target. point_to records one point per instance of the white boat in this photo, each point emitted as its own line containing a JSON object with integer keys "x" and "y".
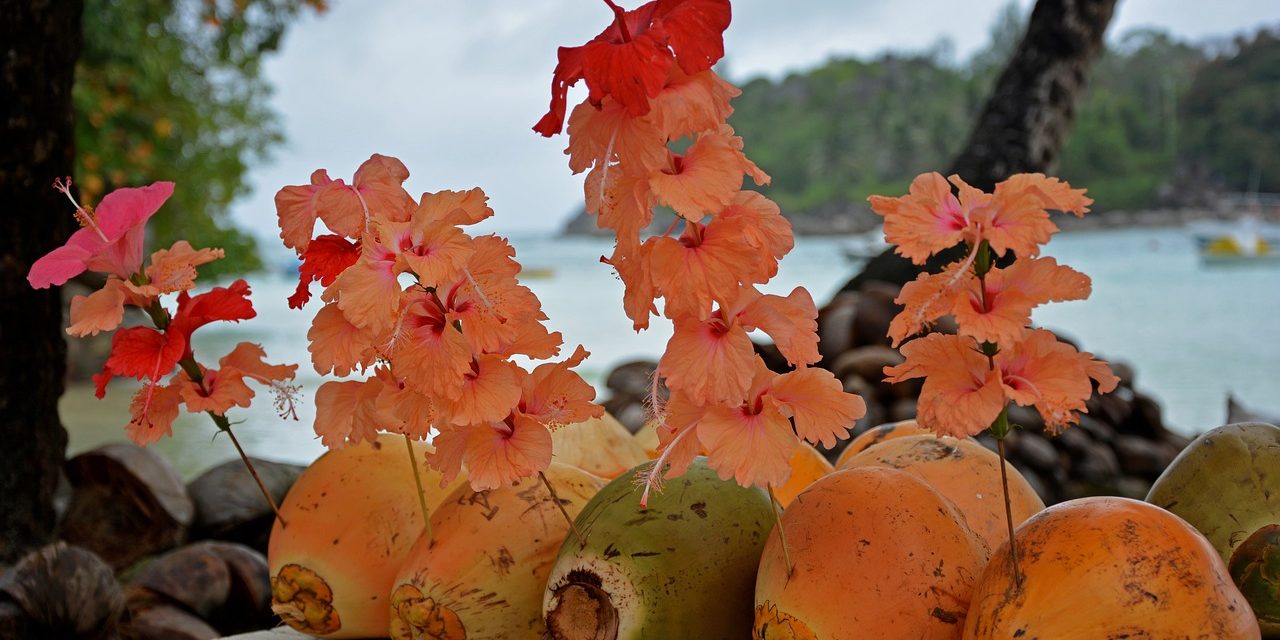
{"x": 1246, "y": 241}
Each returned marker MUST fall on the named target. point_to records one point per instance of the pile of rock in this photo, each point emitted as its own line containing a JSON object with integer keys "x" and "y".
{"x": 1120, "y": 447}
{"x": 144, "y": 556}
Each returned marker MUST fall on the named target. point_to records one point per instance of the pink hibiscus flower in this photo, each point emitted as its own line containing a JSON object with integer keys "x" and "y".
{"x": 110, "y": 240}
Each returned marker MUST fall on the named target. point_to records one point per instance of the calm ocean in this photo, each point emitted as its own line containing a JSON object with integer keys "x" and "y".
{"x": 1194, "y": 333}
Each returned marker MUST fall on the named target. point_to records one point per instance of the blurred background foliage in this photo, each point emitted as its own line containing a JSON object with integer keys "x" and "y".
{"x": 1163, "y": 122}
{"x": 173, "y": 90}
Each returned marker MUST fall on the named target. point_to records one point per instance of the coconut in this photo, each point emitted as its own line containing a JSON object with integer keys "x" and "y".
{"x": 874, "y": 553}
{"x": 964, "y": 472}
{"x": 601, "y": 446}
{"x": 1108, "y": 567}
{"x": 1226, "y": 484}
{"x": 807, "y": 465}
{"x": 482, "y": 574}
{"x": 352, "y": 517}
{"x": 682, "y": 568}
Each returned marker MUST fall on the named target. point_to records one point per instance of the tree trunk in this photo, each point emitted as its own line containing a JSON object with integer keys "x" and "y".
{"x": 39, "y": 41}
{"x": 1026, "y": 119}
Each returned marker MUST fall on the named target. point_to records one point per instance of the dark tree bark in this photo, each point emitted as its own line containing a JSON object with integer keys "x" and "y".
{"x": 39, "y": 42}
{"x": 1026, "y": 119}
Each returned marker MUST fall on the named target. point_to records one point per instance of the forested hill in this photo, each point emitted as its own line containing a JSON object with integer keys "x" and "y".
{"x": 1163, "y": 123}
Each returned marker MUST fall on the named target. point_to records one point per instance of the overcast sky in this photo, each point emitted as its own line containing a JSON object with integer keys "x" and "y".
{"x": 452, "y": 88}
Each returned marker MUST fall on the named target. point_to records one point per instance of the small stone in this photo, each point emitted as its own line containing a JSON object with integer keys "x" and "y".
{"x": 1097, "y": 429}
{"x": 835, "y": 325}
{"x": 902, "y": 409}
{"x": 1098, "y": 466}
{"x": 876, "y": 310}
{"x": 1145, "y": 419}
{"x": 1034, "y": 451}
{"x": 866, "y": 362}
{"x": 1074, "y": 441}
{"x": 230, "y": 506}
{"x": 631, "y": 378}
{"x": 1139, "y": 457}
{"x": 1131, "y": 487}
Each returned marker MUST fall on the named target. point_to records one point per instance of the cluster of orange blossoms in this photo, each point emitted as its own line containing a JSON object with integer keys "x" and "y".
{"x": 434, "y": 316}
{"x": 110, "y": 242}
{"x": 650, "y": 85}
{"x": 995, "y": 356}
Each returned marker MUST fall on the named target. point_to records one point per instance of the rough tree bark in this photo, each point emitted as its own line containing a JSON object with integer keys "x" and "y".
{"x": 1026, "y": 119}
{"x": 39, "y": 42}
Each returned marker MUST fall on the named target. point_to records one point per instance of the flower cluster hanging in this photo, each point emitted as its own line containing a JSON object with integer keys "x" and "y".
{"x": 995, "y": 356}
{"x": 111, "y": 242}
{"x": 433, "y": 316}
{"x": 651, "y": 88}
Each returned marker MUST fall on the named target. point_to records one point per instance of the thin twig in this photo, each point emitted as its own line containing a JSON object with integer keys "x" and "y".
{"x": 555, "y": 497}
{"x": 252, "y": 471}
{"x": 776, "y": 507}
{"x": 422, "y": 495}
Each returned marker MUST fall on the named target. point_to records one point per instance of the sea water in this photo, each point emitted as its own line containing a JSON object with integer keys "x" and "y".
{"x": 1194, "y": 333}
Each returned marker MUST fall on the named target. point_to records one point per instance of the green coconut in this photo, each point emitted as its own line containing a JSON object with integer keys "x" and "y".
{"x": 1226, "y": 484}
{"x": 685, "y": 567}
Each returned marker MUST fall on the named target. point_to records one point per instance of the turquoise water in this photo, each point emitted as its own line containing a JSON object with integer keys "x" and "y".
{"x": 1194, "y": 333}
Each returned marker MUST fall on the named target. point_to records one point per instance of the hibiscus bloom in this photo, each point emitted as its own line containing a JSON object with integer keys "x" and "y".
{"x": 629, "y": 60}
{"x": 110, "y": 240}
{"x": 930, "y": 218}
{"x": 752, "y": 438}
{"x": 964, "y": 390}
{"x": 498, "y": 452}
{"x": 996, "y": 308}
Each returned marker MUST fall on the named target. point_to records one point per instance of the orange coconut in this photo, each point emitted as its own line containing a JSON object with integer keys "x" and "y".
{"x": 1109, "y": 568}
{"x": 353, "y": 515}
{"x": 484, "y": 574}
{"x": 877, "y": 553}
{"x": 599, "y": 445}
{"x": 807, "y": 465}
{"x": 965, "y": 472}
{"x": 876, "y": 435}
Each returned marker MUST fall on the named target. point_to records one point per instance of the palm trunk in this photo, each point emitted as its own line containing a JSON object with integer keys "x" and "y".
{"x": 1026, "y": 119}
{"x": 39, "y": 44}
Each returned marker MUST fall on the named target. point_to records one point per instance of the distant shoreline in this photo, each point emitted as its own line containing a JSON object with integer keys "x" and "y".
{"x": 859, "y": 223}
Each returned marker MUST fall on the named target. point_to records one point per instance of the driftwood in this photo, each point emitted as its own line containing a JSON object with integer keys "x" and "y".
{"x": 229, "y": 506}
{"x": 60, "y": 591}
{"x": 127, "y": 503}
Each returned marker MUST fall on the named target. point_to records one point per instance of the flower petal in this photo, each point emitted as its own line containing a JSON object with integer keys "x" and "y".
{"x": 816, "y": 401}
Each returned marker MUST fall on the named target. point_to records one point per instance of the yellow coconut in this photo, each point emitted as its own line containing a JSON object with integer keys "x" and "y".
{"x": 353, "y": 516}
{"x": 807, "y": 465}
{"x": 647, "y": 436}
{"x": 599, "y": 445}
{"x": 484, "y": 573}
{"x": 878, "y": 434}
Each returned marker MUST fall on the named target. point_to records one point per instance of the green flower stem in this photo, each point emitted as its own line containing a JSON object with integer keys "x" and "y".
{"x": 422, "y": 496}
{"x": 1000, "y": 429}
